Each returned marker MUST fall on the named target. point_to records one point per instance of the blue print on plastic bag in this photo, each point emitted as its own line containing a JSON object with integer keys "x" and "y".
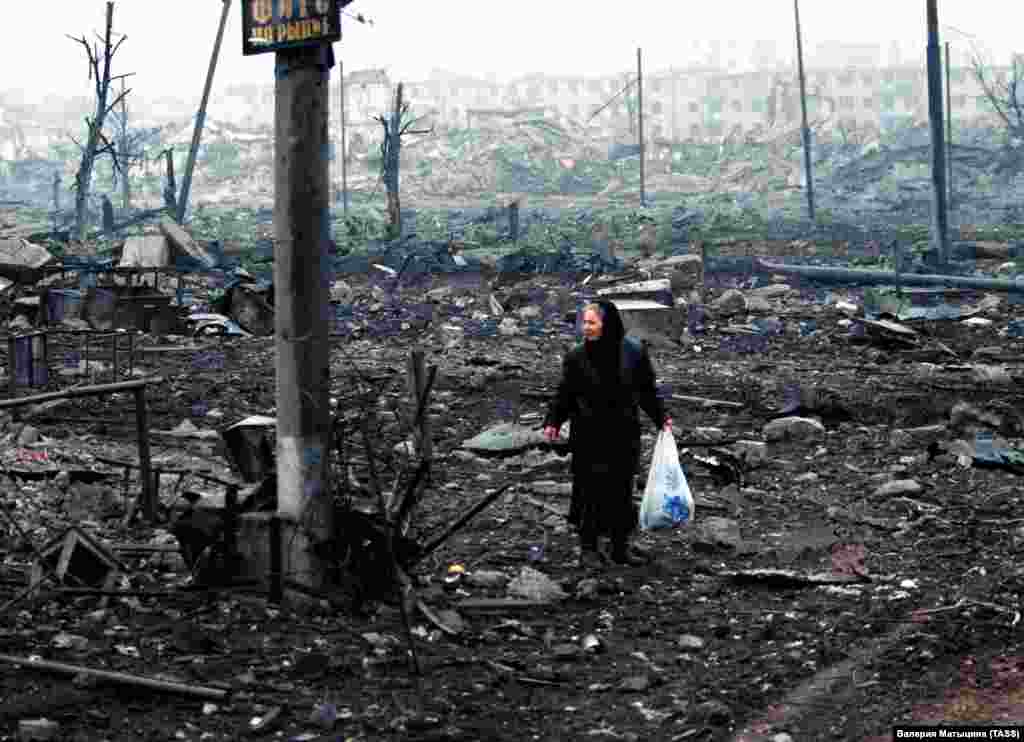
{"x": 677, "y": 509}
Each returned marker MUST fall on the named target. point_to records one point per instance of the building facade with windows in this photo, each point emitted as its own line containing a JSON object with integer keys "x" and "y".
{"x": 684, "y": 104}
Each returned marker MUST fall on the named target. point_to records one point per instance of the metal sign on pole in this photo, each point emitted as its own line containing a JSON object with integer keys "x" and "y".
{"x": 274, "y": 25}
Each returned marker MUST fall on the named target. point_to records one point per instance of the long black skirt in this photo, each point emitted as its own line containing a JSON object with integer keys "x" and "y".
{"x": 602, "y": 497}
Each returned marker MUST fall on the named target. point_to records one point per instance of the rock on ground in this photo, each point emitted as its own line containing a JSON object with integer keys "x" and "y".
{"x": 794, "y": 428}
{"x": 731, "y": 302}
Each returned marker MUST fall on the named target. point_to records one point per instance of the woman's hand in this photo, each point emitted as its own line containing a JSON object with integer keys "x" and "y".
{"x": 550, "y": 432}
{"x": 668, "y": 425}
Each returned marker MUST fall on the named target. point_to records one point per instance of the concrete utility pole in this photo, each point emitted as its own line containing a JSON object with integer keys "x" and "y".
{"x": 301, "y": 232}
{"x": 949, "y": 134}
{"x": 344, "y": 163}
{"x": 640, "y": 126}
{"x": 940, "y": 224}
{"x": 805, "y": 129}
{"x": 186, "y": 182}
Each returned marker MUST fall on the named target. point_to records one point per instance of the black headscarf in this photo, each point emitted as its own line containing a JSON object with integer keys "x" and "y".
{"x": 605, "y": 353}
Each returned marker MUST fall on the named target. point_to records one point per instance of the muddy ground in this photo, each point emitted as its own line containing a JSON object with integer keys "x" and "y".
{"x": 685, "y": 652}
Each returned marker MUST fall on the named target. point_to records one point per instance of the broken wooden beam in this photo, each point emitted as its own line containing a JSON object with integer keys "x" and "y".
{"x": 499, "y": 604}
{"x": 705, "y": 402}
{"x": 450, "y": 531}
{"x": 138, "y": 681}
{"x": 853, "y": 275}
{"x": 181, "y": 240}
{"x": 785, "y": 578}
{"x": 82, "y": 391}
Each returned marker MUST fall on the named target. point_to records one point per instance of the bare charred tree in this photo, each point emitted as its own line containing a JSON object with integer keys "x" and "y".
{"x": 1003, "y": 89}
{"x": 133, "y": 150}
{"x": 170, "y": 188}
{"x": 97, "y": 143}
{"x": 395, "y": 127}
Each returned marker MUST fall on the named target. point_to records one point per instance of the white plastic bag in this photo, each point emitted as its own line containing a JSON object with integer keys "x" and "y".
{"x": 667, "y": 500}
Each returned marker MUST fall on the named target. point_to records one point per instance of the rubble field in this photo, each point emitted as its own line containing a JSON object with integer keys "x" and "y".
{"x": 851, "y": 564}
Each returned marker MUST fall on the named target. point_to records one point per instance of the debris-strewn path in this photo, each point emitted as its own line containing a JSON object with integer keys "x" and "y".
{"x": 887, "y": 590}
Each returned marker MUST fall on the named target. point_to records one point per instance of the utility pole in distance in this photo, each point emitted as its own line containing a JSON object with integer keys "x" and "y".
{"x": 949, "y": 136}
{"x": 344, "y": 164}
{"x": 640, "y": 127}
{"x": 940, "y": 224}
{"x": 805, "y": 129}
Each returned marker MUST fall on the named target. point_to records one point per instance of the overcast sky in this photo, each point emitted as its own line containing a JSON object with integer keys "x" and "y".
{"x": 169, "y": 43}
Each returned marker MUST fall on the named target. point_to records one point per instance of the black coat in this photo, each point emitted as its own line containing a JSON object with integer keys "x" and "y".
{"x": 605, "y": 434}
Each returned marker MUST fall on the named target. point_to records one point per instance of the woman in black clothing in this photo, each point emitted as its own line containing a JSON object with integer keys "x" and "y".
{"x": 604, "y": 382}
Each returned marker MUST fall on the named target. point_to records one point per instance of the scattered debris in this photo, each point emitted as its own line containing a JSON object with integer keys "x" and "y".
{"x": 536, "y": 586}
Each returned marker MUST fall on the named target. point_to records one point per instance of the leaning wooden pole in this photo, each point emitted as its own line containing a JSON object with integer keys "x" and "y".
{"x": 301, "y": 231}
{"x": 805, "y": 129}
{"x": 344, "y": 157}
{"x": 186, "y": 183}
{"x": 940, "y": 224}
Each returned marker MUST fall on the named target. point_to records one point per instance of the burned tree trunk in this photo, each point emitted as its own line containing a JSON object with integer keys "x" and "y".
{"x": 108, "y": 216}
{"x": 56, "y": 199}
{"x": 170, "y": 200}
{"x": 390, "y": 150}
